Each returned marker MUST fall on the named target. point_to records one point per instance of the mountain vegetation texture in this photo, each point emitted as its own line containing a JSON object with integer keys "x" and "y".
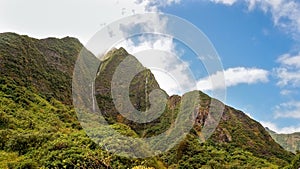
{"x": 290, "y": 142}
{"x": 39, "y": 127}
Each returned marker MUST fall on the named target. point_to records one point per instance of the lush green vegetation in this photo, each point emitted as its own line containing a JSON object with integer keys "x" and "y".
{"x": 235, "y": 128}
{"x": 36, "y": 133}
{"x": 39, "y": 127}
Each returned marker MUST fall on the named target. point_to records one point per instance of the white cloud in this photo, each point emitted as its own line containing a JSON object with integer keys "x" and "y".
{"x": 226, "y": 2}
{"x": 251, "y": 4}
{"x": 82, "y": 19}
{"x": 233, "y": 77}
{"x": 288, "y": 110}
{"x": 159, "y": 54}
{"x": 147, "y": 43}
{"x": 286, "y": 92}
{"x": 285, "y": 13}
{"x": 79, "y": 18}
{"x": 289, "y": 71}
{"x": 289, "y": 60}
{"x": 153, "y": 5}
{"x": 287, "y": 77}
{"x": 284, "y": 130}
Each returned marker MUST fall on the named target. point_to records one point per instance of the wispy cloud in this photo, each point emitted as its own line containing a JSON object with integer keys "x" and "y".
{"x": 284, "y": 130}
{"x": 226, "y": 2}
{"x": 288, "y": 110}
{"x": 286, "y": 92}
{"x": 285, "y": 13}
{"x": 288, "y": 77}
{"x": 153, "y": 5}
{"x": 288, "y": 73}
{"x": 289, "y": 60}
{"x": 233, "y": 77}
{"x": 160, "y": 55}
{"x": 95, "y": 15}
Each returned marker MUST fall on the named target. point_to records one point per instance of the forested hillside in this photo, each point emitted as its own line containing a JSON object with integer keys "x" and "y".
{"x": 39, "y": 126}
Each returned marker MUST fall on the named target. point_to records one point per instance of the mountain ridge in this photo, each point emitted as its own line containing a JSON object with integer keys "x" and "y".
{"x": 227, "y": 132}
{"x": 36, "y": 76}
{"x": 290, "y": 142}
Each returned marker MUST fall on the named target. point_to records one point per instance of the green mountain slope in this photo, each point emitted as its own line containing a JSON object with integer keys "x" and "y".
{"x": 235, "y": 128}
{"x": 39, "y": 127}
{"x": 290, "y": 142}
{"x": 46, "y": 64}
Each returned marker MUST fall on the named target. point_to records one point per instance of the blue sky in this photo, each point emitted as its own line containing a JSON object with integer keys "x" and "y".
{"x": 257, "y": 42}
{"x": 249, "y": 38}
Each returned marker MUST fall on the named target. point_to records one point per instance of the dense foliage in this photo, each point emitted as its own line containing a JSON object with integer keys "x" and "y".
{"x": 39, "y": 127}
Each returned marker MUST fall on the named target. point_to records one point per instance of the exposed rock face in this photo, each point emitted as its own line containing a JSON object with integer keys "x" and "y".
{"x": 46, "y": 68}
{"x": 235, "y": 127}
{"x": 290, "y": 142}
